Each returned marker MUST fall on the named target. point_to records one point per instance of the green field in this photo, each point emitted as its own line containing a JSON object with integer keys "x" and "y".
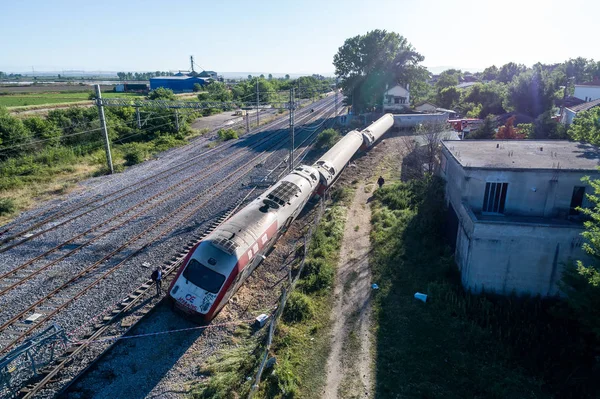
{"x": 21, "y": 100}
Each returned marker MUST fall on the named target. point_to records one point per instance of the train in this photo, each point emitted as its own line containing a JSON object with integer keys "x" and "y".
{"x": 218, "y": 265}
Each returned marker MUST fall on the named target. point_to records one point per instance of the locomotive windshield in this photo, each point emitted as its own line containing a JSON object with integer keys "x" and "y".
{"x": 203, "y": 277}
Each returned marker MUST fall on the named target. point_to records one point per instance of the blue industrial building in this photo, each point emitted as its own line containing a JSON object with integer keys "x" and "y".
{"x": 178, "y": 84}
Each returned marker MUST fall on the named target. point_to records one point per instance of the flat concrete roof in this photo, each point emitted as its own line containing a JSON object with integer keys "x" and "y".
{"x": 524, "y": 154}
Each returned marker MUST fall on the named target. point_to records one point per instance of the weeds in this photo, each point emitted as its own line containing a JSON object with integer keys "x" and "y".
{"x": 459, "y": 344}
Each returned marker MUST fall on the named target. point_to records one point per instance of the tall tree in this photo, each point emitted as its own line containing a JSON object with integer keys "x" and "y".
{"x": 508, "y": 71}
{"x": 448, "y": 97}
{"x": 448, "y": 78}
{"x": 531, "y": 93}
{"x": 367, "y": 63}
{"x": 489, "y": 96}
{"x": 490, "y": 73}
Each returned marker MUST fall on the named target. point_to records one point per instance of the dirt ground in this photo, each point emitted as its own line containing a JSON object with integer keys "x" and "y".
{"x": 351, "y": 363}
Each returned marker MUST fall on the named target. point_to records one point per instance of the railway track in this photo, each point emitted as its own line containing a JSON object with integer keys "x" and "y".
{"x": 127, "y": 304}
{"x": 13, "y": 328}
{"x": 88, "y": 237}
{"x": 122, "y": 193}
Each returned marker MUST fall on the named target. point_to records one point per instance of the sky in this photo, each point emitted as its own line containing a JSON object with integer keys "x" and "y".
{"x": 299, "y": 36}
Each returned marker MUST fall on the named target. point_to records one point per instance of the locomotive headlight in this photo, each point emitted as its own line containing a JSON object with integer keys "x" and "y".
{"x": 175, "y": 289}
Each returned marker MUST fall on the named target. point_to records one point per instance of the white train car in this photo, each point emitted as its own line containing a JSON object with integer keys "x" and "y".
{"x": 217, "y": 266}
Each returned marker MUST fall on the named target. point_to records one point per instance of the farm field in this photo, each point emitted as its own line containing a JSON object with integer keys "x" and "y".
{"x": 20, "y": 100}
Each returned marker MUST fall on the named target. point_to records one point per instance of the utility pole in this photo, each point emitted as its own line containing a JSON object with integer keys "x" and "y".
{"x": 192, "y": 62}
{"x": 292, "y": 107}
{"x": 247, "y": 116}
{"x": 137, "y": 116}
{"x": 104, "y": 130}
{"x": 257, "y": 100}
{"x": 177, "y": 119}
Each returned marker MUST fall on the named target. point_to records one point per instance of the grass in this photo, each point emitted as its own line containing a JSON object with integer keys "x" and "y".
{"x": 53, "y": 171}
{"x": 22, "y": 100}
{"x": 459, "y": 345}
{"x": 302, "y": 348}
{"x": 224, "y": 374}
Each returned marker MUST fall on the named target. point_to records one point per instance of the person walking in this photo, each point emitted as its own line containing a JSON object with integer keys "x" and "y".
{"x": 380, "y": 181}
{"x": 157, "y": 278}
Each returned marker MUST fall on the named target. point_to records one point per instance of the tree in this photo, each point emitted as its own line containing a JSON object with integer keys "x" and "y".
{"x": 581, "y": 282}
{"x": 287, "y": 77}
{"x": 580, "y": 69}
{"x": 531, "y": 93}
{"x": 367, "y": 63}
{"x": 13, "y": 133}
{"x": 489, "y": 96}
{"x": 490, "y": 73}
{"x": 586, "y": 126}
{"x": 487, "y": 130}
{"x": 270, "y": 76}
{"x": 448, "y": 97}
{"x": 197, "y": 87}
{"x": 249, "y": 77}
{"x": 218, "y": 91}
{"x": 161, "y": 94}
{"x": 448, "y": 78}
{"x": 547, "y": 127}
{"x": 508, "y": 71}
{"x": 508, "y": 131}
{"x": 262, "y": 76}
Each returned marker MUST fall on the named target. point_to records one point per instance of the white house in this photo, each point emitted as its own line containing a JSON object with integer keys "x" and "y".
{"x": 396, "y": 99}
{"x": 512, "y": 210}
{"x": 569, "y": 113}
{"x": 588, "y": 91}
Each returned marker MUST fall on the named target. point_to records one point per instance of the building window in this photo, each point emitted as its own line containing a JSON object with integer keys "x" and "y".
{"x": 576, "y": 199}
{"x": 495, "y": 197}
{"x": 396, "y": 100}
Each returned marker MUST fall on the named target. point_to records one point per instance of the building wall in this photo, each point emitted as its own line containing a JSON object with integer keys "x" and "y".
{"x": 568, "y": 116}
{"x": 537, "y": 193}
{"x": 587, "y": 93}
{"x": 524, "y": 258}
{"x": 516, "y": 253}
{"x": 177, "y": 85}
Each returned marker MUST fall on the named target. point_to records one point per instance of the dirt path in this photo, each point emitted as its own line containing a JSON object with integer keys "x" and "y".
{"x": 349, "y": 364}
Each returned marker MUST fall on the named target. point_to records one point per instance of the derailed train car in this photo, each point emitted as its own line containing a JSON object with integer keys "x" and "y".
{"x": 217, "y": 266}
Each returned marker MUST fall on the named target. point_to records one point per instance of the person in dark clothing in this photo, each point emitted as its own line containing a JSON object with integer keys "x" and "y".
{"x": 380, "y": 181}
{"x": 157, "y": 278}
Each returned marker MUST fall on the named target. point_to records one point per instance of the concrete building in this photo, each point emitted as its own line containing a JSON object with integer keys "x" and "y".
{"x": 588, "y": 91}
{"x": 179, "y": 84}
{"x": 396, "y": 99}
{"x": 512, "y": 215}
{"x": 569, "y": 113}
{"x": 426, "y": 107}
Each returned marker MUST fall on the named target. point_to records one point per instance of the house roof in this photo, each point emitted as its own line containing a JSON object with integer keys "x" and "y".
{"x": 525, "y": 154}
{"x": 585, "y": 106}
{"x": 569, "y": 101}
{"x": 425, "y": 103}
{"x": 397, "y": 91}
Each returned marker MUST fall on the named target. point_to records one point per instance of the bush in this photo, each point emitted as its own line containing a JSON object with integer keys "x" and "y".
{"x": 327, "y": 138}
{"x": 227, "y": 134}
{"x": 134, "y": 153}
{"x": 7, "y": 206}
{"x": 299, "y": 307}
